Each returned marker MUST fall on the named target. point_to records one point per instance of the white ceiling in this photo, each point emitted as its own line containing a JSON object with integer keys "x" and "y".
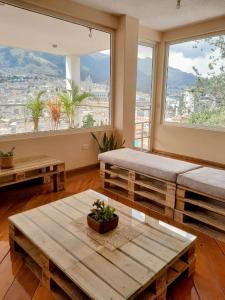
{"x": 161, "y": 14}
{"x": 24, "y": 29}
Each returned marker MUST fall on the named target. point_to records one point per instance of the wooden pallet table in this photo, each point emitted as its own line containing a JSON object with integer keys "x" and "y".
{"x": 154, "y": 193}
{"x": 138, "y": 260}
{"x": 201, "y": 212}
{"x": 44, "y": 167}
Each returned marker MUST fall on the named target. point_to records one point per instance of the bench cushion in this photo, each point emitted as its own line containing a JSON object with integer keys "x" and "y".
{"x": 205, "y": 180}
{"x": 146, "y": 163}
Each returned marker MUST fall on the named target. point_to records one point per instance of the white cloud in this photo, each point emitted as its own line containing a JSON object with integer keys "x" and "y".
{"x": 144, "y": 51}
{"x": 185, "y": 64}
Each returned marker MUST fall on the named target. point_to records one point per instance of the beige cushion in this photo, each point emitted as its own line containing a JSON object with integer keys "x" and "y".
{"x": 205, "y": 180}
{"x": 146, "y": 163}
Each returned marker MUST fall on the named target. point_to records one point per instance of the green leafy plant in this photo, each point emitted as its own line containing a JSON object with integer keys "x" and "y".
{"x": 7, "y": 154}
{"x": 102, "y": 212}
{"x": 88, "y": 121}
{"x": 36, "y": 107}
{"x": 107, "y": 143}
{"x": 71, "y": 98}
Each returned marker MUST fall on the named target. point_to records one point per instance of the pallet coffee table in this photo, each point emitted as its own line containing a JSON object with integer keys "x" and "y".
{"x": 35, "y": 167}
{"x": 138, "y": 260}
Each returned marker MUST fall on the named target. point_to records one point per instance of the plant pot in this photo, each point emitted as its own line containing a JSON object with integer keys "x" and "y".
{"x": 6, "y": 162}
{"x": 104, "y": 226}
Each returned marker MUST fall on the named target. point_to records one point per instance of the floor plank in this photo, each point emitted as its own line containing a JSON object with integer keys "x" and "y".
{"x": 24, "y": 285}
{"x": 9, "y": 268}
{"x": 17, "y": 282}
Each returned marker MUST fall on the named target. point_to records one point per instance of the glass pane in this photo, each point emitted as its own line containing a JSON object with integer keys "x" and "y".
{"x": 196, "y": 82}
{"x": 144, "y": 92}
{"x": 146, "y": 143}
{"x": 52, "y": 81}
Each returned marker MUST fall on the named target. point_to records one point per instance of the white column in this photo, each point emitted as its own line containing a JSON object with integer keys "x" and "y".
{"x": 73, "y": 68}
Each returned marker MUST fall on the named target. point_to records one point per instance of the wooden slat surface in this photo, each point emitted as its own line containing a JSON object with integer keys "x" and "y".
{"x": 100, "y": 272}
{"x": 27, "y": 164}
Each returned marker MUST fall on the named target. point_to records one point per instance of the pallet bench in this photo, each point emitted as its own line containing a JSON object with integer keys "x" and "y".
{"x": 44, "y": 167}
{"x": 74, "y": 271}
{"x": 154, "y": 187}
{"x": 200, "y": 201}
{"x": 154, "y": 193}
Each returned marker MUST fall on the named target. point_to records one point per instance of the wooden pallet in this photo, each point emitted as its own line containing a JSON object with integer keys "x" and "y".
{"x": 156, "y": 194}
{"x": 72, "y": 266}
{"x": 44, "y": 167}
{"x": 201, "y": 212}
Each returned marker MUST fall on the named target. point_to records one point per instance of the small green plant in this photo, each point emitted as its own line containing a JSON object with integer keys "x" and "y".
{"x": 102, "y": 212}
{"x": 71, "y": 98}
{"x": 7, "y": 154}
{"x": 88, "y": 121}
{"x": 107, "y": 143}
{"x": 36, "y": 107}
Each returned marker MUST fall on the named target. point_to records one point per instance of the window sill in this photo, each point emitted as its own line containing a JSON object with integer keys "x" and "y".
{"x": 44, "y": 134}
{"x": 195, "y": 127}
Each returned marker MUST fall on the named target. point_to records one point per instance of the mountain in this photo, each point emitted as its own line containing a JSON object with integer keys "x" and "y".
{"x": 177, "y": 78}
{"x": 22, "y": 62}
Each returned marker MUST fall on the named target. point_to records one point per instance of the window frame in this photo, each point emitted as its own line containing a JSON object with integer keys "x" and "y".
{"x": 165, "y": 77}
{"x": 71, "y": 131}
{"x": 154, "y": 46}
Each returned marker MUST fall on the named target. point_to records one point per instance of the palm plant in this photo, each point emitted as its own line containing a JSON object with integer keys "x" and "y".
{"x": 70, "y": 99}
{"x": 36, "y": 106}
{"x": 107, "y": 143}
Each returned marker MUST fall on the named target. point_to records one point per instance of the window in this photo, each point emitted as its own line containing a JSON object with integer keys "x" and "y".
{"x": 195, "y": 87}
{"x": 54, "y": 74}
{"x": 143, "y": 97}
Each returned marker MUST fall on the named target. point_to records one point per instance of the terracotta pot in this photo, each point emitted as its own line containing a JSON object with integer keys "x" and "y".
{"x": 6, "y": 162}
{"x": 102, "y": 227}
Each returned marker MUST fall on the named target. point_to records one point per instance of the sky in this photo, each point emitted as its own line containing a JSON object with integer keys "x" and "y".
{"x": 184, "y": 56}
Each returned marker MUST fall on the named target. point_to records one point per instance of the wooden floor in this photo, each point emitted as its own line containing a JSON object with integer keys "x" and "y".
{"x": 18, "y": 283}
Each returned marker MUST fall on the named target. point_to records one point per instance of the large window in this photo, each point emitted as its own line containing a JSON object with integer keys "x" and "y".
{"x": 54, "y": 74}
{"x": 143, "y": 97}
{"x": 195, "y": 87}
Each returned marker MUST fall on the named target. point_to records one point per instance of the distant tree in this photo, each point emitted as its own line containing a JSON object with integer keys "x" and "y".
{"x": 211, "y": 118}
{"x": 88, "y": 121}
{"x": 181, "y": 105}
{"x": 210, "y": 88}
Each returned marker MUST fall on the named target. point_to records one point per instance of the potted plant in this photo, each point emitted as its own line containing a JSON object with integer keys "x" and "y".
{"x": 107, "y": 143}
{"x": 102, "y": 217}
{"x": 6, "y": 159}
{"x": 36, "y": 107}
{"x": 70, "y": 99}
{"x": 55, "y": 109}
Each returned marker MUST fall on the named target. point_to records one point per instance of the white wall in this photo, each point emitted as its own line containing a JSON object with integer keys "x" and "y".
{"x": 69, "y": 148}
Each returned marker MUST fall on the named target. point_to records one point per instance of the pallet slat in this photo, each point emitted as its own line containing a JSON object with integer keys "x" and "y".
{"x": 204, "y": 204}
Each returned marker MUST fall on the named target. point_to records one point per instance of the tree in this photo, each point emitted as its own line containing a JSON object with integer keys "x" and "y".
{"x": 209, "y": 93}
{"x": 71, "y": 98}
{"x": 88, "y": 121}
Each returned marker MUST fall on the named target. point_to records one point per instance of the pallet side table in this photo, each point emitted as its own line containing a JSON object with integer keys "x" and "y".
{"x": 49, "y": 169}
